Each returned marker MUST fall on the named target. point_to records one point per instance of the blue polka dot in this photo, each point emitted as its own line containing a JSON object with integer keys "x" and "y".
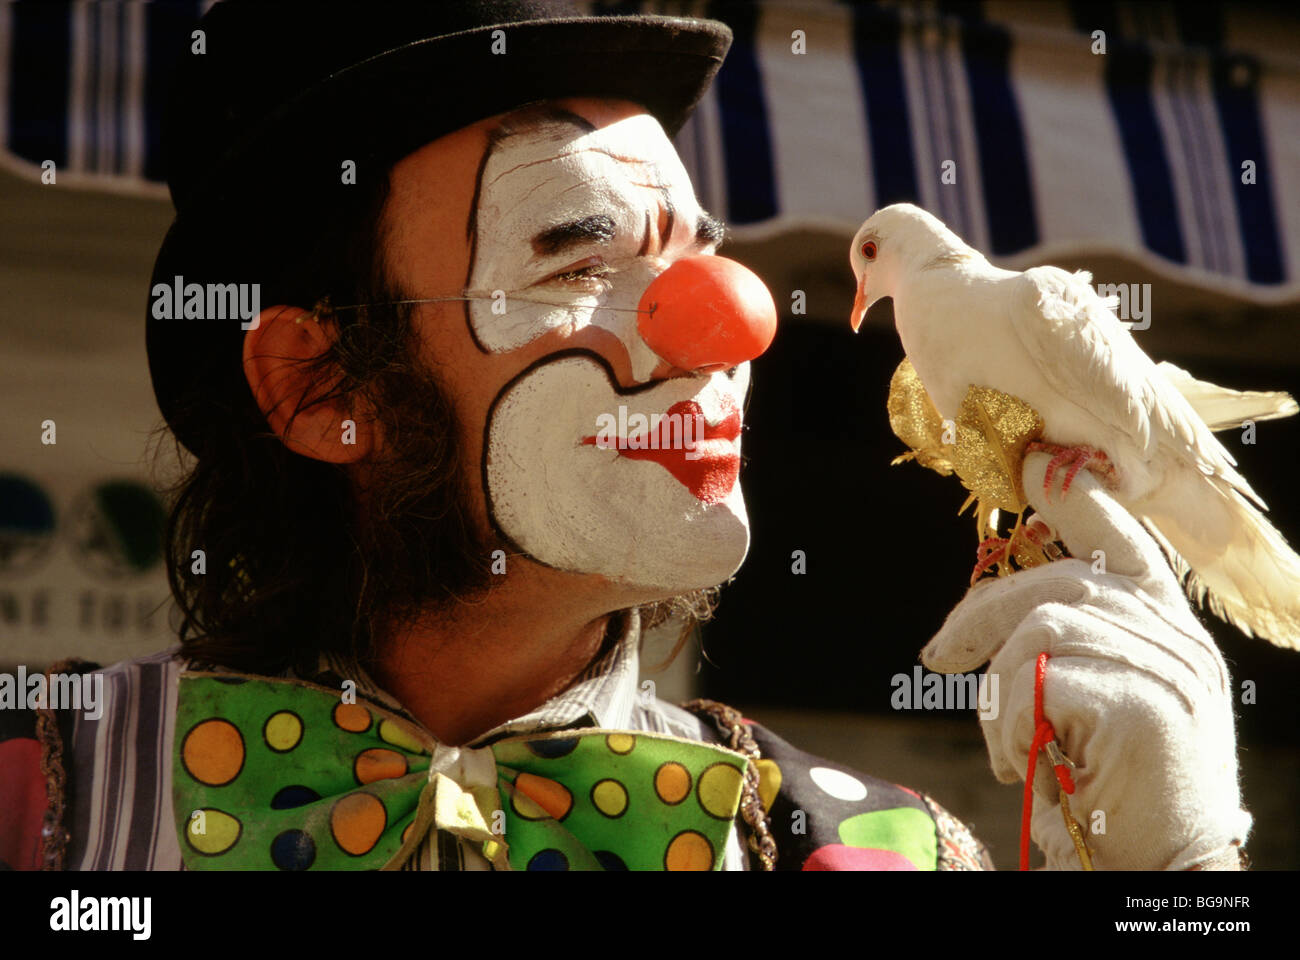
{"x": 550, "y": 749}
{"x": 548, "y": 860}
{"x": 295, "y": 796}
{"x": 610, "y": 861}
{"x": 293, "y": 850}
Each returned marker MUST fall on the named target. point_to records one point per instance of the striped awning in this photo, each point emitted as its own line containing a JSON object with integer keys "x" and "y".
{"x": 81, "y": 87}
{"x": 1178, "y": 147}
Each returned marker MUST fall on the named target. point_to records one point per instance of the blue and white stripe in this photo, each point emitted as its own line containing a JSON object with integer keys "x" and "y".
{"x": 1136, "y": 153}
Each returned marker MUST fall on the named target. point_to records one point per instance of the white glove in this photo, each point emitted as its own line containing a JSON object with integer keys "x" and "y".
{"x": 1137, "y": 691}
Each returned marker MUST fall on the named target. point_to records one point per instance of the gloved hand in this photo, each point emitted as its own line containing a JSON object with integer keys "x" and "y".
{"x": 1135, "y": 687}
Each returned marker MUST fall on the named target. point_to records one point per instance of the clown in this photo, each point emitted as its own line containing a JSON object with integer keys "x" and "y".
{"x": 429, "y": 557}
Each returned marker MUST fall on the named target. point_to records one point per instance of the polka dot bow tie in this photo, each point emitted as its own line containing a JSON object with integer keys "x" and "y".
{"x": 280, "y": 774}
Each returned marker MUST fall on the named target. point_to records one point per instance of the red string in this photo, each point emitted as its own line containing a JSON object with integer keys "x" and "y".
{"x": 1044, "y": 733}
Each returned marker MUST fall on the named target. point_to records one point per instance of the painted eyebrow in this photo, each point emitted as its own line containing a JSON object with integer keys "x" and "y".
{"x": 600, "y": 228}
{"x": 597, "y": 228}
{"x": 710, "y": 230}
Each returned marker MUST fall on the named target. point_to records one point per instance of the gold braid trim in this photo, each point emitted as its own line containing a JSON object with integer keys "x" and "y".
{"x": 54, "y": 835}
{"x": 729, "y": 723}
{"x": 958, "y": 847}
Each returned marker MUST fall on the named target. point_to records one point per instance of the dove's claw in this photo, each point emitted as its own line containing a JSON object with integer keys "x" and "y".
{"x": 1037, "y": 532}
{"x": 1092, "y": 456}
{"x": 990, "y": 552}
{"x": 1077, "y": 457}
{"x": 1040, "y": 535}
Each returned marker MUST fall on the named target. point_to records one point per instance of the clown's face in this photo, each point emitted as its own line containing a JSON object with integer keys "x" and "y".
{"x": 592, "y": 453}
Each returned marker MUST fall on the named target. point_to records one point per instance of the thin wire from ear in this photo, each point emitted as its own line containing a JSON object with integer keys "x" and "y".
{"x": 323, "y": 307}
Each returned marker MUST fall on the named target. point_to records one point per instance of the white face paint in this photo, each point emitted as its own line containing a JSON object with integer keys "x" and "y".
{"x": 554, "y": 175}
{"x": 664, "y": 518}
{"x": 668, "y": 519}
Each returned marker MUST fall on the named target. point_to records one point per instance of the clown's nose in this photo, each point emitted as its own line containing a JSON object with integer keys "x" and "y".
{"x": 707, "y": 312}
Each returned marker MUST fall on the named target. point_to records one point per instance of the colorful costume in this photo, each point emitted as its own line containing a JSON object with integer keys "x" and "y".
{"x": 198, "y": 769}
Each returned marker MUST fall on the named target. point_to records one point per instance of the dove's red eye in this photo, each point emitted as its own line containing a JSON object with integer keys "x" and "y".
{"x": 869, "y": 249}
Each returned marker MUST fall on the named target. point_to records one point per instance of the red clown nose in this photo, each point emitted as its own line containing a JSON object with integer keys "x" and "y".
{"x": 706, "y": 312}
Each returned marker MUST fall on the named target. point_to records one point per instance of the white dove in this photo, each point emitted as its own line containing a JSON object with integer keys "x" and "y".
{"x": 1046, "y": 337}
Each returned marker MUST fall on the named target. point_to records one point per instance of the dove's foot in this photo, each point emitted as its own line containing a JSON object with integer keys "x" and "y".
{"x": 1037, "y": 532}
{"x": 999, "y": 550}
{"x": 1077, "y": 457}
{"x": 990, "y": 552}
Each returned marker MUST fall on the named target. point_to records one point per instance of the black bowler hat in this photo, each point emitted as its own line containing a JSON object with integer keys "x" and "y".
{"x": 260, "y": 120}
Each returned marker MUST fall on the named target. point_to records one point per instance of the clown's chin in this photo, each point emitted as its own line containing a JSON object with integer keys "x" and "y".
{"x": 658, "y": 553}
{"x": 697, "y": 561}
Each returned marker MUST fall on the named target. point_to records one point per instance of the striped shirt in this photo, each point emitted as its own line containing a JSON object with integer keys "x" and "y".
{"x": 120, "y": 776}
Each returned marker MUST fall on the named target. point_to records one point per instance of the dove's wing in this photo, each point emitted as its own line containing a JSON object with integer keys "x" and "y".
{"x": 1225, "y": 409}
{"x": 1080, "y": 346}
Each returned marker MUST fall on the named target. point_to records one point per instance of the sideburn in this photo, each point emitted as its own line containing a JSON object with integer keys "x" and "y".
{"x": 417, "y": 546}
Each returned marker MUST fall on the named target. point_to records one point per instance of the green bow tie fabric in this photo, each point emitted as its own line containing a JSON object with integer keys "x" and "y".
{"x": 282, "y": 774}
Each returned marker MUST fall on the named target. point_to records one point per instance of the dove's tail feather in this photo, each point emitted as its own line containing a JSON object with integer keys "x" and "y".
{"x": 1233, "y": 560}
{"x": 1225, "y": 409}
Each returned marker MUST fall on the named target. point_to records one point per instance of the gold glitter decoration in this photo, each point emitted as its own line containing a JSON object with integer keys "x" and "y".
{"x": 993, "y": 430}
{"x": 989, "y": 435}
{"x": 915, "y": 421}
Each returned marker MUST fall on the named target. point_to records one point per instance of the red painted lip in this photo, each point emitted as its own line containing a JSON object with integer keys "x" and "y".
{"x": 712, "y": 474}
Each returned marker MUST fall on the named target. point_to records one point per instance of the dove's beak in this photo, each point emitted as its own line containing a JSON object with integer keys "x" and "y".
{"x": 859, "y": 305}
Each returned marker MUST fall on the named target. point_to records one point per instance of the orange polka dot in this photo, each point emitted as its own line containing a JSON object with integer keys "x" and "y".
{"x": 672, "y": 783}
{"x": 552, "y": 797}
{"x": 525, "y": 807}
{"x": 379, "y": 764}
{"x": 357, "y": 822}
{"x": 213, "y": 752}
{"x": 352, "y": 717}
{"x": 689, "y": 851}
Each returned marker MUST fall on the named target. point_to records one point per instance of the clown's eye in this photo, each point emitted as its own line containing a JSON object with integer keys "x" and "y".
{"x": 869, "y": 249}
{"x": 588, "y": 269}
